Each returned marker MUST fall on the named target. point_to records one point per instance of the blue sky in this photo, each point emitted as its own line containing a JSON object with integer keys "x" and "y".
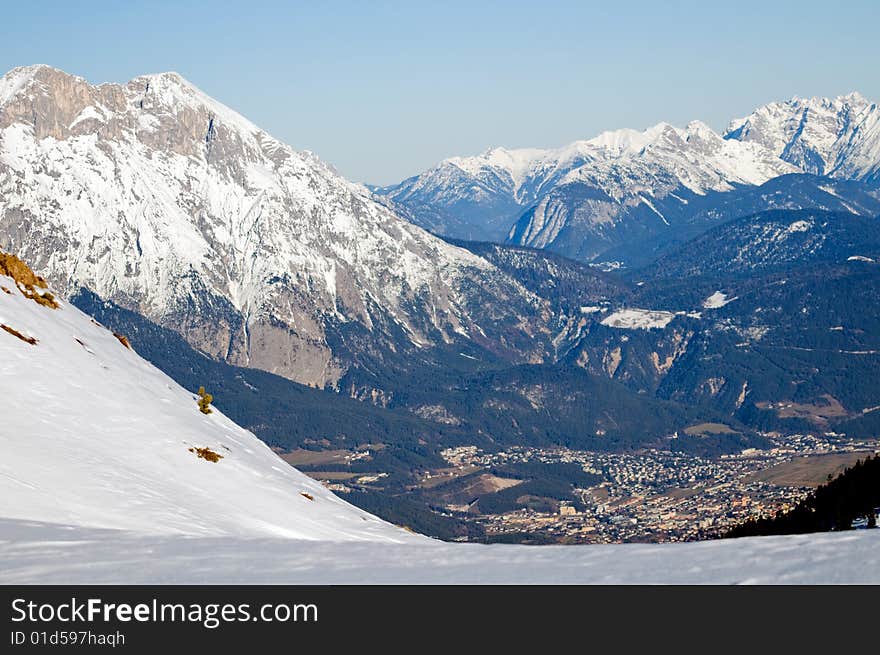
{"x": 383, "y": 90}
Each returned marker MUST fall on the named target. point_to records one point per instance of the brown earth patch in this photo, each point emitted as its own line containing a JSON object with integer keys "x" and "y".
{"x": 206, "y": 453}
{"x": 709, "y": 428}
{"x": 442, "y": 476}
{"x": 810, "y": 471}
{"x": 819, "y": 411}
{"x": 331, "y": 476}
{"x": 16, "y": 333}
{"x": 301, "y": 457}
{"x": 26, "y": 280}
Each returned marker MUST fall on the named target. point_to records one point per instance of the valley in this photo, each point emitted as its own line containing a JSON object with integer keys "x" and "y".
{"x": 641, "y": 496}
{"x": 638, "y": 337}
{"x": 675, "y": 407}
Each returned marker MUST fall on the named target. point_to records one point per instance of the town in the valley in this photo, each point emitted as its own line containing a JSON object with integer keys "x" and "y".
{"x": 644, "y": 496}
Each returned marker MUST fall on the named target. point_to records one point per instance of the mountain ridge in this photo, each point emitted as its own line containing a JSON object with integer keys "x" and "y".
{"x": 155, "y": 196}
{"x": 625, "y": 186}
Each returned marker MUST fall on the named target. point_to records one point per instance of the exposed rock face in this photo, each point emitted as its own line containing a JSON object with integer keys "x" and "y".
{"x": 838, "y": 137}
{"x": 165, "y": 201}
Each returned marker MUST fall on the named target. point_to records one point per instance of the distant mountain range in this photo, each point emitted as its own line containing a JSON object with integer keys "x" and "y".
{"x": 598, "y": 200}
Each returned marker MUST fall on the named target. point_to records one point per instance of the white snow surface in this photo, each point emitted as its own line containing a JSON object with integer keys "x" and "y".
{"x": 92, "y": 435}
{"x": 638, "y": 319}
{"x": 35, "y": 553}
{"x": 839, "y": 137}
{"x": 717, "y": 300}
{"x": 800, "y": 226}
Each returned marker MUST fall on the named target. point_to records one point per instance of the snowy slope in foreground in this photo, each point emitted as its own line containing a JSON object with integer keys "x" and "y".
{"x": 93, "y": 435}
{"x": 34, "y": 553}
{"x": 97, "y": 485}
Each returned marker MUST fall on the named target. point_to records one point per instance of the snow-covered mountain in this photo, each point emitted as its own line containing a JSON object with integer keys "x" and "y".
{"x": 157, "y": 197}
{"x": 626, "y": 186}
{"x": 93, "y": 436}
{"x": 479, "y": 197}
{"x": 640, "y": 185}
{"x": 838, "y": 137}
{"x": 623, "y": 165}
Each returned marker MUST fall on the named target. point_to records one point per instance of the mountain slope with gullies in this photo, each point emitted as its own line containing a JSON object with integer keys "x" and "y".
{"x": 838, "y": 137}
{"x": 614, "y": 197}
{"x": 770, "y": 318}
{"x": 157, "y": 197}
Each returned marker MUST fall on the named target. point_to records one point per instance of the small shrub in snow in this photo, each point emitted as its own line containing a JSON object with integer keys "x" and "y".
{"x": 123, "y": 340}
{"x": 205, "y": 400}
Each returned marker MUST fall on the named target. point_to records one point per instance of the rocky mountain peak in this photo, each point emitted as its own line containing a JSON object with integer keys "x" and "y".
{"x": 838, "y": 136}
{"x": 156, "y": 196}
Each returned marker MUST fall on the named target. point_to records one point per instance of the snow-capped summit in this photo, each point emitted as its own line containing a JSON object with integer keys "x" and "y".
{"x": 517, "y": 163}
{"x": 92, "y": 435}
{"x": 481, "y": 197}
{"x": 623, "y": 185}
{"x": 158, "y": 197}
{"x": 838, "y": 137}
{"x": 694, "y": 156}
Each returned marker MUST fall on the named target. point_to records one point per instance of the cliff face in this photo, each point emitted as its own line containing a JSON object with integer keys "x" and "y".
{"x": 157, "y": 197}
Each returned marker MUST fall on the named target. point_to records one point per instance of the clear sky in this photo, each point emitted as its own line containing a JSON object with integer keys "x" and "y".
{"x": 383, "y": 90}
